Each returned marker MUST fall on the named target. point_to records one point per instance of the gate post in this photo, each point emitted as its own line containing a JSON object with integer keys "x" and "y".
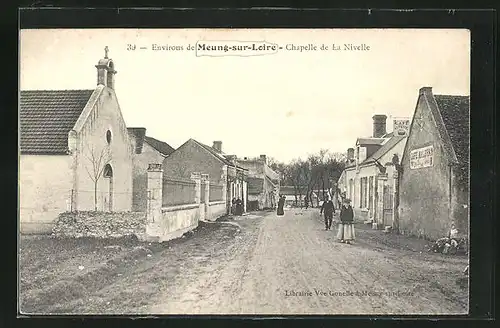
{"x": 196, "y": 177}
{"x": 154, "y": 201}
{"x": 381, "y": 182}
{"x": 205, "y": 179}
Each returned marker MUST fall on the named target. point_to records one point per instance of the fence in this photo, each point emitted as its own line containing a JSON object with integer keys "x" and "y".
{"x": 178, "y": 191}
{"x": 216, "y": 193}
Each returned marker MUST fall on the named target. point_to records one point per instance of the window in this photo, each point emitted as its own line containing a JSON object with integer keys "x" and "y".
{"x": 363, "y": 192}
{"x": 370, "y": 193}
{"x": 108, "y": 136}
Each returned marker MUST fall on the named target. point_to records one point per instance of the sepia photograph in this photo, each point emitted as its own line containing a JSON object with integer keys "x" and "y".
{"x": 244, "y": 171}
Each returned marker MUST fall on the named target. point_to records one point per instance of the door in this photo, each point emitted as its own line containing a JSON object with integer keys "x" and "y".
{"x": 387, "y": 206}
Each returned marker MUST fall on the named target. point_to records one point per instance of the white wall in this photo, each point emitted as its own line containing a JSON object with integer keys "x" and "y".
{"x": 216, "y": 210}
{"x": 105, "y": 115}
{"x": 174, "y": 222}
{"x": 45, "y": 183}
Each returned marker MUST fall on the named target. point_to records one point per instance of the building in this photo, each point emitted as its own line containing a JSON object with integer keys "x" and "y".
{"x": 222, "y": 169}
{"x": 263, "y": 183}
{"x": 295, "y": 196}
{"x": 147, "y": 150}
{"x": 434, "y": 180}
{"x": 75, "y": 152}
{"x": 368, "y": 178}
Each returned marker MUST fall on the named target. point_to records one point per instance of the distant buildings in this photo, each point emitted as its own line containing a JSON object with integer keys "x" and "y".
{"x": 263, "y": 183}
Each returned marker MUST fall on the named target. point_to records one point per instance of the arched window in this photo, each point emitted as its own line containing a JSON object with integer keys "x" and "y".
{"x": 108, "y": 136}
{"x": 108, "y": 171}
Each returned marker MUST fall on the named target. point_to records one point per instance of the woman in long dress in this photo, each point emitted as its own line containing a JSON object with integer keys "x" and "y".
{"x": 346, "y": 226}
{"x": 281, "y": 204}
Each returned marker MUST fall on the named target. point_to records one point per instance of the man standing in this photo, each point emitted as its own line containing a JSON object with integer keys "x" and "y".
{"x": 328, "y": 210}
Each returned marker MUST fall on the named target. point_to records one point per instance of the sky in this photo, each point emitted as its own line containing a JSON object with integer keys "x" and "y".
{"x": 285, "y": 104}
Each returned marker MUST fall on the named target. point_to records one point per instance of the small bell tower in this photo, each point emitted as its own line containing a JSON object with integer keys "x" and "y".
{"x": 106, "y": 71}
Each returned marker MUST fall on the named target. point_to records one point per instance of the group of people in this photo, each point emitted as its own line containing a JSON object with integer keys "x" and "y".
{"x": 236, "y": 206}
{"x": 345, "y": 232}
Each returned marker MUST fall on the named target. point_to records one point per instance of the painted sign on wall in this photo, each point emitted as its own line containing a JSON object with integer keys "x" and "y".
{"x": 421, "y": 157}
{"x": 401, "y": 127}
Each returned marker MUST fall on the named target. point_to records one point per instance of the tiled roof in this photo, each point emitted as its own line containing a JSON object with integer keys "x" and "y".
{"x": 220, "y": 156}
{"x": 370, "y": 141}
{"x": 454, "y": 111}
{"x": 213, "y": 152}
{"x": 47, "y": 116}
{"x": 161, "y": 146}
{"x": 384, "y": 149}
{"x": 255, "y": 185}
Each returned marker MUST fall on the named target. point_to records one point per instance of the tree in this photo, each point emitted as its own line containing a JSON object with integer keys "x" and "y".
{"x": 98, "y": 162}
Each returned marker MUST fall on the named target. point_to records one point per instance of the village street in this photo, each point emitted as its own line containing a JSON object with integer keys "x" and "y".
{"x": 256, "y": 264}
{"x": 276, "y": 257}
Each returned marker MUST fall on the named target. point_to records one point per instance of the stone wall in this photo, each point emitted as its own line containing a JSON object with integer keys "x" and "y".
{"x": 216, "y": 210}
{"x": 174, "y": 222}
{"x": 100, "y": 224}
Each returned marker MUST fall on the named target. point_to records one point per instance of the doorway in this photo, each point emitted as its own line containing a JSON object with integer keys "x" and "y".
{"x": 108, "y": 177}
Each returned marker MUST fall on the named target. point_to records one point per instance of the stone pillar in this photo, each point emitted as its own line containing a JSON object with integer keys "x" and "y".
{"x": 154, "y": 201}
{"x": 206, "y": 205}
{"x": 381, "y": 182}
{"x": 196, "y": 177}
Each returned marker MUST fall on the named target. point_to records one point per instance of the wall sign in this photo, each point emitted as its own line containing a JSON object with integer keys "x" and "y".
{"x": 401, "y": 127}
{"x": 422, "y": 157}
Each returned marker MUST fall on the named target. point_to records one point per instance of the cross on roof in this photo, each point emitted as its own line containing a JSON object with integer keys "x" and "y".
{"x": 106, "y": 50}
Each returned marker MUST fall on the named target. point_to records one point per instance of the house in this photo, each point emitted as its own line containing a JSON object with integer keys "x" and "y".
{"x": 434, "y": 182}
{"x": 263, "y": 183}
{"x": 147, "y": 150}
{"x": 75, "y": 152}
{"x": 227, "y": 179}
{"x": 294, "y": 195}
{"x": 368, "y": 178}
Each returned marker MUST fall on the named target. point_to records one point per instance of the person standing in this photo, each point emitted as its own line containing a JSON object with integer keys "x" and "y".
{"x": 281, "y": 204}
{"x": 233, "y": 206}
{"x": 346, "y": 227}
{"x": 239, "y": 207}
{"x": 328, "y": 209}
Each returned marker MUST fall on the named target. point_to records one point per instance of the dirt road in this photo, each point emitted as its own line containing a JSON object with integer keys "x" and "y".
{"x": 255, "y": 264}
{"x": 291, "y": 265}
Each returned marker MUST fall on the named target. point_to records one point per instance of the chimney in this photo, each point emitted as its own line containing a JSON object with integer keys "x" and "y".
{"x": 425, "y": 90}
{"x": 350, "y": 155}
{"x": 263, "y": 158}
{"x": 217, "y": 146}
{"x": 379, "y": 129}
{"x": 138, "y": 134}
{"x": 231, "y": 158}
